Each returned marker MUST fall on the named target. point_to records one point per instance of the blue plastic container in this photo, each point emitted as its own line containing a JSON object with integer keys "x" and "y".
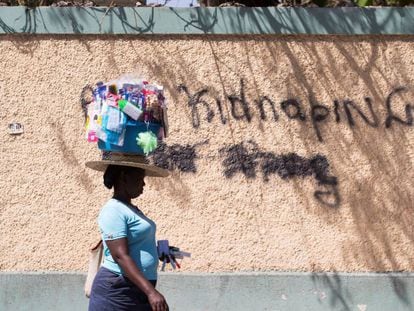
{"x": 133, "y": 128}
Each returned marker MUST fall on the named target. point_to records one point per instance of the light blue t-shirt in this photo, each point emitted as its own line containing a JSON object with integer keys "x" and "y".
{"x": 118, "y": 220}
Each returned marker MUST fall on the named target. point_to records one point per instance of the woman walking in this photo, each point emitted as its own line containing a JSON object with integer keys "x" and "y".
{"x": 127, "y": 278}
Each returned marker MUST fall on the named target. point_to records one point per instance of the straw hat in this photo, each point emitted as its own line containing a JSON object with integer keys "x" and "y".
{"x": 115, "y": 158}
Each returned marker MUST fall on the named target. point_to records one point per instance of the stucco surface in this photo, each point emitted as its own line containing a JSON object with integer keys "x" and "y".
{"x": 224, "y": 209}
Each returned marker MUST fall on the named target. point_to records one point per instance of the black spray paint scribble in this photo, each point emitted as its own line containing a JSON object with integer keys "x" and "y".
{"x": 246, "y": 158}
{"x": 176, "y": 157}
{"x": 242, "y": 110}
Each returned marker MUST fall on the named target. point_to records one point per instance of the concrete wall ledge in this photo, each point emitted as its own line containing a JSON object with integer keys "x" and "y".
{"x": 193, "y": 21}
{"x": 225, "y": 291}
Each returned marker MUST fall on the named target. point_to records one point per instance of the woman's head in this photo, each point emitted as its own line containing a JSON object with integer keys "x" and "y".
{"x": 127, "y": 181}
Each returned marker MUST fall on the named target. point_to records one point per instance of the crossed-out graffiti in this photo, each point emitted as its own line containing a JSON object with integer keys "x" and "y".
{"x": 246, "y": 158}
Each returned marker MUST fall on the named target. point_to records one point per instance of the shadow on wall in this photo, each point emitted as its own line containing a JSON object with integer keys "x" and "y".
{"x": 375, "y": 248}
{"x": 395, "y": 207}
{"x": 259, "y": 20}
{"x": 333, "y": 286}
{"x": 69, "y": 158}
{"x": 34, "y": 20}
{"x": 339, "y": 296}
{"x": 374, "y": 125}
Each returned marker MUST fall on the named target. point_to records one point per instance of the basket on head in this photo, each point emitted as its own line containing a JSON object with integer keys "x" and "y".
{"x": 127, "y": 118}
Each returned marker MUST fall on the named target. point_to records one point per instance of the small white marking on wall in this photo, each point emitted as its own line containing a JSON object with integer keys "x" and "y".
{"x": 362, "y": 307}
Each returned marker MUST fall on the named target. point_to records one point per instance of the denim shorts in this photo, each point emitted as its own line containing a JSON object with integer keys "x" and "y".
{"x": 113, "y": 292}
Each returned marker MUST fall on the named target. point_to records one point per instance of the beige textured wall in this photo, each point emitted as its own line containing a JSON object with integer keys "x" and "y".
{"x": 49, "y": 200}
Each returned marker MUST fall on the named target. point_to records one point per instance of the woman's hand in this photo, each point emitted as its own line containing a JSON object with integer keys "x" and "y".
{"x": 157, "y": 301}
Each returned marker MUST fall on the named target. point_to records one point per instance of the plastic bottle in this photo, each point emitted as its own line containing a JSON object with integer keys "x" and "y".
{"x": 92, "y": 121}
{"x": 92, "y": 137}
{"x": 129, "y": 109}
{"x": 101, "y": 90}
